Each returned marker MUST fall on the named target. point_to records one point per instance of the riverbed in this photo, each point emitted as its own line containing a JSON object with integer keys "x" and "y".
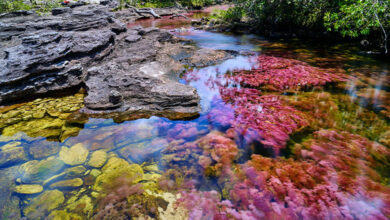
{"x": 288, "y": 129}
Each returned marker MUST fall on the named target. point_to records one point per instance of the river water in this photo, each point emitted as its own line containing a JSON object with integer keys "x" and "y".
{"x": 288, "y": 130}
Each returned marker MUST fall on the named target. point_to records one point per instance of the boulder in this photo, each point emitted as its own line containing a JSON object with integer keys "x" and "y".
{"x": 124, "y": 71}
{"x": 135, "y": 77}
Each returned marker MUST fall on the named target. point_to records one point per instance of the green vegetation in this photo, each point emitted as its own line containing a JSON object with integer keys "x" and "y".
{"x": 13, "y": 5}
{"x": 355, "y": 18}
{"x": 350, "y": 18}
{"x": 40, "y": 7}
{"x": 167, "y": 3}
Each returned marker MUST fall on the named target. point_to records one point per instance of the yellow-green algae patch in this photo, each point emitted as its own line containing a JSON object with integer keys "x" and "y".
{"x": 75, "y": 155}
{"x": 326, "y": 110}
{"x": 71, "y": 183}
{"x": 117, "y": 167}
{"x": 63, "y": 215}
{"x": 98, "y": 158}
{"x": 28, "y": 189}
{"x": 42, "y": 117}
{"x": 82, "y": 206}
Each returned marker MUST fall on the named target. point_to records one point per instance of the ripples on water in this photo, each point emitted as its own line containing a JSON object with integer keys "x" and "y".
{"x": 254, "y": 152}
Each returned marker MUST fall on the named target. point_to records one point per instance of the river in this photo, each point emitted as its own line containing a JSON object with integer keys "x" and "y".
{"x": 289, "y": 129}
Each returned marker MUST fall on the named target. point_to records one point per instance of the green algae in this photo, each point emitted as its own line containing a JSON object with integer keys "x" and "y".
{"x": 28, "y": 189}
{"x": 326, "y": 110}
{"x": 115, "y": 168}
{"x": 63, "y": 215}
{"x": 75, "y": 155}
{"x": 82, "y": 206}
{"x": 42, "y": 117}
{"x": 98, "y": 159}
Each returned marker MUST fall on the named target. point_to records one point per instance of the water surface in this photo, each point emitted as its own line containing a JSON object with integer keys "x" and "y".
{"x": 254, "y": 152}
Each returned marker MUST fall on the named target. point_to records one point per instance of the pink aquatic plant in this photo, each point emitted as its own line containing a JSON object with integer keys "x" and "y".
{"x": 213, "y": 154}
{"x": 334, "y": 176}
{"x": 281, "y": 74}
{"x": 267, "y": 119}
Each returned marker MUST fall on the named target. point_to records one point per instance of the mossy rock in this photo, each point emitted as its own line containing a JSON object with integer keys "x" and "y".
{"x": 115, "y": 168}
{"x": 40, "y": 206}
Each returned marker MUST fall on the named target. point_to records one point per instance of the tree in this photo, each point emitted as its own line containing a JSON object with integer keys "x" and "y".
{"x": 361, "y": 17}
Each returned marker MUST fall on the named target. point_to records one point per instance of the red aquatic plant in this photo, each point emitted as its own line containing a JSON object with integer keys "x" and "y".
{"x": 281, "y": 74}
{"x": 334, "y": 176}
{"x": 213, "y": 154}
{"x": 267, "y": 119}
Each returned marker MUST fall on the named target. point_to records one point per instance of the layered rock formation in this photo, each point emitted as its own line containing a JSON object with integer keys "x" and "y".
{"x": 123, "y": 70}
{"x": 41, "y": 55}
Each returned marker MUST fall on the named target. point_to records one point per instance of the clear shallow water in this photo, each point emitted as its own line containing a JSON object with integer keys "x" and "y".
{"x": 228, "y": 163}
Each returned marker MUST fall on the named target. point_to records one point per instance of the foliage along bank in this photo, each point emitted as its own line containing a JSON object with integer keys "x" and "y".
{"x": 365, "y": 20}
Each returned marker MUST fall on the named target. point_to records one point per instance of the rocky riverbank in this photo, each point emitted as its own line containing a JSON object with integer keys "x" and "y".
{"x": 124, "y": 70}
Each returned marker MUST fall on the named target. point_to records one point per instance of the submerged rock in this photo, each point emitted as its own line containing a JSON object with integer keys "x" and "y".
{"x": 75, "y": 155}
{"x": 9, "y": 203}
{"x": 69, "y": 173}
{"x": 385, "y": 138}
{"x": 37, "y": 171}
{"x": 28, "y": 189}
{"x": 42, "y": 148}
{"x": 72, "y": 183}
{"x": 11, "y": 154}
{"x": 46, "y": 117}
{"x": 98, "y": 158}
{"x": 143, "y": 151}
{"x": 40, "y": 206}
